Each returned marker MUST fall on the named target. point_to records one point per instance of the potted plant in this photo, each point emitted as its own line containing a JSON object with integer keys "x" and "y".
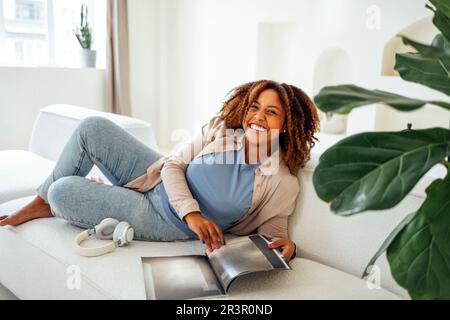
{"x": 376, "y": 170}
{"x": 83, "y": 34}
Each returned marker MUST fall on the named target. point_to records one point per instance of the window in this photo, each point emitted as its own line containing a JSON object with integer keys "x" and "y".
{"x": 40, "y": 32}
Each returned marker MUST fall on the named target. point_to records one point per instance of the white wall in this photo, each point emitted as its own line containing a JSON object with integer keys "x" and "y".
{"x": 23, "y": 91}
{"x": 203, "y": 48}
{"x": 187, "y": 54}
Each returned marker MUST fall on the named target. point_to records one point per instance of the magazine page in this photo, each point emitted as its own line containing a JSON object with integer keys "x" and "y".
{"x": 210, "y": 275}
{"x": 244, "y": 255}
{"x": 179, "y": 277}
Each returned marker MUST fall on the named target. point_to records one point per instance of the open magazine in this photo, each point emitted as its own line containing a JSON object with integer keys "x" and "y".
{"x": 196, "y": 276}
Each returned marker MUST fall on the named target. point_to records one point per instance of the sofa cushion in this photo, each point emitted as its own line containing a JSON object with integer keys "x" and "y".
{"x": 36, "y": 257}
{"x": 56, "y": 123}
{"x": 22, "y": 172}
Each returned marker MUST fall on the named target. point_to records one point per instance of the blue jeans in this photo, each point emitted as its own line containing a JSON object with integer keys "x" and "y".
{"x": 121, "y": 158}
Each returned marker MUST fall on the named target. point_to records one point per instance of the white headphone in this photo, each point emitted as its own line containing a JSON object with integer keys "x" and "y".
{"x": 120, "y": 232}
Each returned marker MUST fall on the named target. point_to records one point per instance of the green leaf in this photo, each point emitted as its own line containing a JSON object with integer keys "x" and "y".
{"x": 442, "y": 23}
{"x": 387, "y": 242}
{"x": 376, "y": 170}
{"x": 440, "y": 47}
{"x": 86, "y": 15}
{"x": 82, "y": 15}
{"x": 440, "y": 42}
{"x": 443, "y": 6}
{"x": 80, "y": 40}
{"x": 430, "y": 66}
{"x": 420, "y": 255}
{"x": 441, "y": 104}
{"x": 343, "y": 98}
{"x": 433, "y": 73}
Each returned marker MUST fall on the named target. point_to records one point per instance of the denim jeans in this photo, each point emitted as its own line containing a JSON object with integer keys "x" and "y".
{"x": 121, "y": 158}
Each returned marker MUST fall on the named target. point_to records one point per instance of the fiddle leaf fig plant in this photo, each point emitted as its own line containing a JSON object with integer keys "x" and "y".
{"x": 376, "y": 170}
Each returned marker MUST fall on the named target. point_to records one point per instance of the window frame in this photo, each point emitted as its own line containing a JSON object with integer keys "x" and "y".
{"x": 51, "y": 61}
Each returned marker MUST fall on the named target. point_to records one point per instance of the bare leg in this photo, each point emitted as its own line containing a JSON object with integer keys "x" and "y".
{"x": 34, "y": 210}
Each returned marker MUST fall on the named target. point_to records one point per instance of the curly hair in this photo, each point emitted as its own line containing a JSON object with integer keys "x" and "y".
{"x": 302, "y": 119}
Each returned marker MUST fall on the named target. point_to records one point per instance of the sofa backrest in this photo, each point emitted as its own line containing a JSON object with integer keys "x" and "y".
{"x": 345, "y": 243}
{"x": 55, "y": 124}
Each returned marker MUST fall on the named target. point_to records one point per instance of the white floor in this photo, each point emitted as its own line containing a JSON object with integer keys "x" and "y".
{"x": 5, "y": 294}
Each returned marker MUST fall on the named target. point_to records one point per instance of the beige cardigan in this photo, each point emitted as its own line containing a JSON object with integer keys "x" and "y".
{"x": 275, "y": 189}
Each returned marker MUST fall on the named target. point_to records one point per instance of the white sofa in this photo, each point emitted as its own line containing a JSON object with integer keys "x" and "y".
{"x": 36, "y": 257}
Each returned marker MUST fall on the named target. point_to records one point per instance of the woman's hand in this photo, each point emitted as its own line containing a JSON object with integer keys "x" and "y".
{"x": 287, "y": 246}
{"x": 207, "y": 231}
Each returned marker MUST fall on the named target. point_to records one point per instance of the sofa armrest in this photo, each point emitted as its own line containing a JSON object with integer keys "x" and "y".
{"x": 55, "y": 124}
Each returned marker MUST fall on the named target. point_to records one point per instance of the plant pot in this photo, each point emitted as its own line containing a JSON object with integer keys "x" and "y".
{"x": 88, "y": 58}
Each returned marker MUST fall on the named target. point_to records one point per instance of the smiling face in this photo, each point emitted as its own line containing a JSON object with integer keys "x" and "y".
{"x": 265, "y": 118}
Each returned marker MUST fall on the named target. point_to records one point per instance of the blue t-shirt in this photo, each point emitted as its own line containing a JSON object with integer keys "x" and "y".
{"x": 223, "y": 190}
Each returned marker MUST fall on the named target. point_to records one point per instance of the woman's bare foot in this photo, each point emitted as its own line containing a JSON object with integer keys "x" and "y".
{"x": 34, "y": 210}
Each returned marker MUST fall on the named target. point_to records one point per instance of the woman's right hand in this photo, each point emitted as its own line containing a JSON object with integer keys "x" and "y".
{"x": 207, "y": 231}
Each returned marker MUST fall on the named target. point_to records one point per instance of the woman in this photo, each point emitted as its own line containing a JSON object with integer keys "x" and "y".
{"x": 238, "y": 176}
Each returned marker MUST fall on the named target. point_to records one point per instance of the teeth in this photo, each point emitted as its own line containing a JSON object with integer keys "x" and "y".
{"x": 257, "y": 128}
